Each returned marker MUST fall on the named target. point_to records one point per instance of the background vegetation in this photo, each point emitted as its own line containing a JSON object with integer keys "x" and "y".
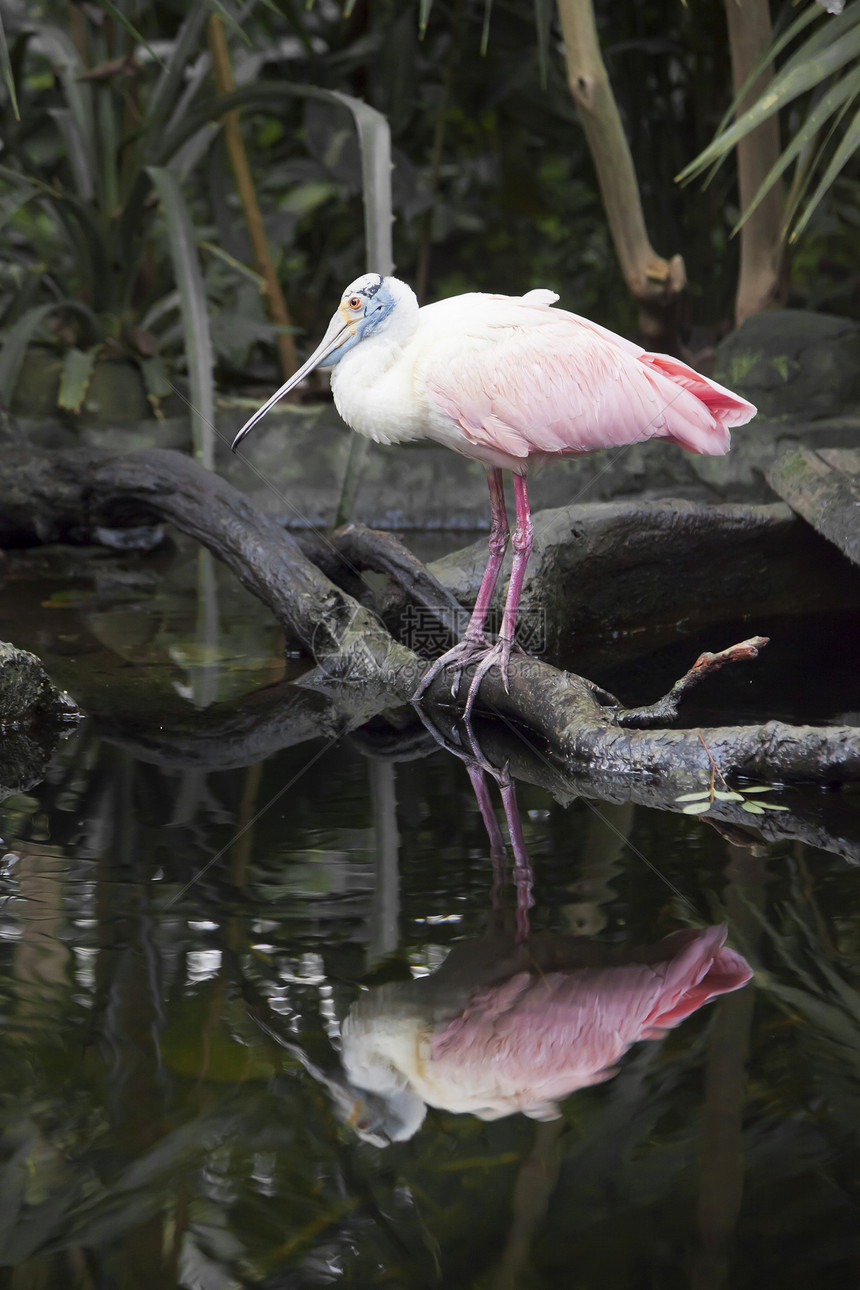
{"x": 493, "y": 184}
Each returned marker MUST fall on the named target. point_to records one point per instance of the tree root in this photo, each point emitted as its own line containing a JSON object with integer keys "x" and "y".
{"x": 361, "y": 669}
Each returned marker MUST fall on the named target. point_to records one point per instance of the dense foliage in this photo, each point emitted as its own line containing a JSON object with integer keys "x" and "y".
{"x": 493, "y": 186}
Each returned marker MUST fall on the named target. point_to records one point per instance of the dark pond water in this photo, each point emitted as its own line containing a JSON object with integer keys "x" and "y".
{"x": 239, "y": 954}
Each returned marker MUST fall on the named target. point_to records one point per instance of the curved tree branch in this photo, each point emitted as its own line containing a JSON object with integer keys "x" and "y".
{"x": 74, "y": 494}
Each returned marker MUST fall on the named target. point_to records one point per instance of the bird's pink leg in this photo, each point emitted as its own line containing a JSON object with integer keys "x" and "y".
{"x": 523, "y": 875}
{"x": 521, "y": 541}
{"x": 473, "y": 641}
{"x": 498, "y": 544}
{"x": 498, "y": 854}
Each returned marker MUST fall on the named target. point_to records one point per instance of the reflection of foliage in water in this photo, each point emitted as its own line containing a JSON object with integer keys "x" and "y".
{"x": 152, "y": 1123}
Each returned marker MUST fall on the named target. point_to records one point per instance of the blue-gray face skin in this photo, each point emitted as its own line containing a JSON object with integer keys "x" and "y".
{"x": 365, "y": 304}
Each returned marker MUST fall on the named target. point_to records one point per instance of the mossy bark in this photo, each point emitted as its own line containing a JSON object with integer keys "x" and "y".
{"x": 83, "y": 492}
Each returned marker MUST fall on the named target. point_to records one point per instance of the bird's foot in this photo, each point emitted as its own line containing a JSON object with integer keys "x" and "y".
{"x": 497, "y": 655}
{"x": 459, "y": 656}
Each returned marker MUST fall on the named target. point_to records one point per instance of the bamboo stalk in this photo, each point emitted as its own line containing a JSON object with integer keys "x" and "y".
{"x": 276, "y": 306}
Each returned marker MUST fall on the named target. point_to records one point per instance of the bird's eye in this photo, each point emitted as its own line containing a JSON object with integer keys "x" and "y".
{"x": 354, "y": 302}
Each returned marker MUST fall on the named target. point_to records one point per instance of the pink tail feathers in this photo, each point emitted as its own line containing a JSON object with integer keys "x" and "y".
{"x": 725, "y": 407}
{"x": 701, "y": 969}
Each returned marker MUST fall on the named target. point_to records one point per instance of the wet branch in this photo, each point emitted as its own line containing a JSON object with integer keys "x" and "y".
{"x": 72, "y": 496}
{"x": 666, "y": 709}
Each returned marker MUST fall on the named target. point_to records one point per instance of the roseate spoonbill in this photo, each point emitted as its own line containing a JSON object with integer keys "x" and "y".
{"x": 511, "y": 382}
{"x": 503, "y": 1027}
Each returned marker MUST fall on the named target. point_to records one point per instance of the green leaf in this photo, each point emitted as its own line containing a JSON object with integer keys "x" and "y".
{"x": 20, "y": 336}
{"x": 794, "y": 79}
{"x": 696, "y": 808}
{"x": 6, "y": 67}
{"x": 374, "y": 140}
{"x": 212, "y": 248}
{"x": 194, "y": 310}
{"x": 170, "y": 83}
{"x": 727, "y": 795}
{"x": 846, "y": 150}
{"x": 485, "y": 30}
{"x": 229, "y": 21}
{"x": 76, "y": 150}
{"x": 694, "y": 797}
{"x": 303, "y": 199}
{"x": 15, "y": 347}
{"x": 13, "y": 203}
{"x": 157, "y": 311}
{"x": 78, "y": 365}
{"x": 758, "y": 788}
{"x": 132, "y": 31}
{"x": 753, "y": 808}
{"x": 83, "y": 230}
{"x": 832, "y": 102}
{"x": 811, "y": 14}
{"x": 544, "y": 10}
{"x": 830, "y": 31}
{"x": 56, "y": 46}
{"x": 155, "y": 378}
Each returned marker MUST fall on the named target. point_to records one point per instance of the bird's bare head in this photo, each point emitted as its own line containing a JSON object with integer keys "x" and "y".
{"x": 373, "y": 304}
{"x": 369, "y": 305}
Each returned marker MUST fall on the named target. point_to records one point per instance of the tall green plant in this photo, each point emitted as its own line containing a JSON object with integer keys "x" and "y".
{"x": 106, "y": 240}
{"x": 825, "y": 66}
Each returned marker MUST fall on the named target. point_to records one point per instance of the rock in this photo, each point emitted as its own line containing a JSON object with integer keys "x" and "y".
{"x": 794, "y": 363}
{"x": 823, "y": 487}
{"x": 32, "y": 714}
{"x": 606, "y": 570}
{"x": 27, "y": 695}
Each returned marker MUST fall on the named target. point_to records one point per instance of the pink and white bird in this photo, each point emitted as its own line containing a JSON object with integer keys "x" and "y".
{"x": 503, "y": 1028}
{"x": 510, "y": 382}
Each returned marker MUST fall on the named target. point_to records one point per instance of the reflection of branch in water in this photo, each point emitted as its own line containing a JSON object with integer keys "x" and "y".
{"x": 606, "y": 840}
{"x": 229, "y": 735}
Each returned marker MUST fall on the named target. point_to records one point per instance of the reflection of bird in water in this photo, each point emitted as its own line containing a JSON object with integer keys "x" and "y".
{"x": 504, "y": 1027}
{"x": 510, "y": 382}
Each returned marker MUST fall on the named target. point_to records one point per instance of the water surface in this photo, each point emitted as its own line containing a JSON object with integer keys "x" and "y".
{"x": 183, "y": 933}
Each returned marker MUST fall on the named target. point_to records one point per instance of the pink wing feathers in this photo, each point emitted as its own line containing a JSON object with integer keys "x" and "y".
{"x": 542, "y": 1036}
{"x": 526, "y": 379}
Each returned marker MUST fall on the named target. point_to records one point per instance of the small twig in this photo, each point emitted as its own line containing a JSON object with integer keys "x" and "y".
{"x": 667, "y": 707}
{"x": 715, "y": 770}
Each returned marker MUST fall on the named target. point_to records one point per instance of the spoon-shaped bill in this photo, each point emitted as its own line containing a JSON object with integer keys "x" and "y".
{"x": 338, "y": 331}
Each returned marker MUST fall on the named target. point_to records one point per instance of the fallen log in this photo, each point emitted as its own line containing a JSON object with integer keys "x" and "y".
{"x": 76, "y": 494}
